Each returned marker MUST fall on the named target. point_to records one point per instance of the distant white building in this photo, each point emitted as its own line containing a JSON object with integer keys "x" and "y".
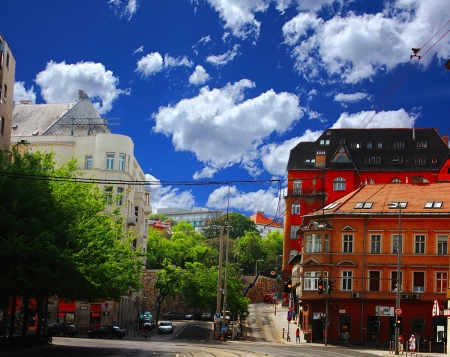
{"x": 266, "y": 225}
{"x": 198, "y": 217}
{"x": 76, "y": 129}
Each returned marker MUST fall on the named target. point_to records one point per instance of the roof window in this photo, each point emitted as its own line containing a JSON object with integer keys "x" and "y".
{"x": 421, "y": 144}
{"x": 364, "y": 205}
{"x": 331, "y": 205}
{"x": 399, "y": 145}
{"x": 433, "y": 204}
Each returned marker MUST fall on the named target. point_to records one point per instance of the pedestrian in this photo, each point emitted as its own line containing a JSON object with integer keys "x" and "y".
{"x": 401, "y": 342}
{"x": 297, "y": 335}
{"x": 412, "y": 344}
{"x": 347, "y": 338}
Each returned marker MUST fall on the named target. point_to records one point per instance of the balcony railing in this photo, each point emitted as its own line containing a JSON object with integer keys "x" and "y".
{"x": 132, "y": 220}
{"x": 305, "y": 191}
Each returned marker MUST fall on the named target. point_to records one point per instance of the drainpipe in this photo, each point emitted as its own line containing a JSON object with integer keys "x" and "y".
{"x": 366, "y": 222}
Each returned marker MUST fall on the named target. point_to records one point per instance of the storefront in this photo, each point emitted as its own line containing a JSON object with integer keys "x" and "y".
{"x": 66, "y": 311}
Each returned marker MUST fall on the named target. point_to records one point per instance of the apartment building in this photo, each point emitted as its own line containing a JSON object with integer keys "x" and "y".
{"x": 7, "y": 72}
{"x": 369, "y": 243}
{"x": 265, "y": 224}
{"x": 341, "y": 160}
{"x": 76, "y": 129}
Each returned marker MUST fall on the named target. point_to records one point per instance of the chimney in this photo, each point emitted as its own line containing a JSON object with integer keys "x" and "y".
{"x": 321, "y": 158}
{"x": 80, "y": 94}
{"x": 445, "y": 139}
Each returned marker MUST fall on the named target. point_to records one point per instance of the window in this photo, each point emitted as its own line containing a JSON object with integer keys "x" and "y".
{"x": 442, "y": 244}
{"x": 292, "y": 254}
{"x": 363, "y": 205}
{"x": 294, "y": 230}
{"x": 375, "y": 243}
{"x": 374, "y": 280}
{"x": 331, "y": 205}
{"x": 356, "y": 145}
{"x": 394, "y": 280}
{"x": 295, "y": 208}
{"x": 339, "y": 184}
{"x": 313, "y": 243}
{"x": 108, "y": 195}
{"x": 110, "y": 161}
{"x": 397, "y": 159}
{"x": 119, "y": 198}
{"x": 326, "y": 243}
{"x": 396, "y": 180}
{"x": 441, "y": 282}
{"x": 136, "y": 211}
{"x": 435, "y": 204}
{"x": 121, "y": 162}
{"x": 3, "y": 126}
{"x": 297, "y": 187}
{"x": 434, "y": 160}
{"x": 311, "y": 279}
{"x": 419, "y": 244}
{"x": 5, "y": 92}
{"x": 418, "y": 281}
{"x": 369, "y": 145}
{"x": 88, "y": 161}
{"x": 7, "y": 60}
{"x": 420, "y": 160}
{"x": 421, "y": 144}
{"x": 310, "y": 161}
{"x": 396, "y": 243}
{"x": 324, "y": 142}
{"x": 399, "y": 145}
{"x": 347, "y": 243}
{"x": 379, "y": 145}
{"x": 346, "y": 280}
{"x": 370, "y": 181}
{"x": 372, "y": 160}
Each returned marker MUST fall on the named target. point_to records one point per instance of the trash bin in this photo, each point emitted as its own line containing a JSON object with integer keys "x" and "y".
{"x": 305, "y": 336}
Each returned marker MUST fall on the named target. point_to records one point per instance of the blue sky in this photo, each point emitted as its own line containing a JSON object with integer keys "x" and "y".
{"x": 221, "y": 90}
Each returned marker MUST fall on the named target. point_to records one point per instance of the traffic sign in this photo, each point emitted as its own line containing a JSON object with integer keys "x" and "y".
{"x": 106, "y": 304}
{"x": 290, "y": 308}
{"x": 272, "y": 273}
{"x": 275, "y": 296}
{"x": 289, "y": 318}
{"x": 223, "y": 329}
{"x": 289, "y": 313}
{"x": 398, "y": 311}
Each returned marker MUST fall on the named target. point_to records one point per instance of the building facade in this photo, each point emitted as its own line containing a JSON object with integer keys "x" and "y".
{"x": 341, "y": 160}
{"x": 266, "y": 225}
{"x": 198, "y": 217}
{"x": 77, "y": 130}
{"x": 354, "y": 244}
{"x": 7, "y": 73}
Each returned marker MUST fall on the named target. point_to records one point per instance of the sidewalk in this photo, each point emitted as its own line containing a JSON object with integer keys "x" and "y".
{"x": 282, "y": 325}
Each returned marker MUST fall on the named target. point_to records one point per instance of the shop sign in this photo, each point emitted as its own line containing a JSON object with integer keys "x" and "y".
{"x": 66, "y": 305}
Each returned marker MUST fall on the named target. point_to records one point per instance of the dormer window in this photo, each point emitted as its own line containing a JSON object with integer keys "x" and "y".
{"x": 324, "y": 142}
{"x": 379, "y": 145}
{"x": 399, "y": 145}
{"x": 421, "y": 160}
{"x": 356, "y": 145}
{"x": 433, "y": 204}
{"x": 372, "y": 160}
{"x": 397, "y": 159}
{"x": 421, "y": 144}
{"x": 369, "y": 145}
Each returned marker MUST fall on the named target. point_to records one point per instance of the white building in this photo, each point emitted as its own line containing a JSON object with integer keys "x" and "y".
{"x": 76, "y": 129}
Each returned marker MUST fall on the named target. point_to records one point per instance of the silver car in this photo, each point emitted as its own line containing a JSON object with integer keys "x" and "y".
{"x": 165, "y": 327}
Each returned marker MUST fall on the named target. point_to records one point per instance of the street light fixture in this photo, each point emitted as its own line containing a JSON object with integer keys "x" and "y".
{"x": 256, "y": 266}
{"x": 398, "y": 205}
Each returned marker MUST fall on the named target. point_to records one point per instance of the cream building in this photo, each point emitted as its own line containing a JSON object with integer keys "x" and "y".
{"x": 7, "y": 71}
{"x": 76, "y": 129}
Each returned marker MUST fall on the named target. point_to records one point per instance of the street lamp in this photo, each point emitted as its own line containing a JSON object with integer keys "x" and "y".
{"x": 256, "y": 266}
{"x": 398, "y": 205}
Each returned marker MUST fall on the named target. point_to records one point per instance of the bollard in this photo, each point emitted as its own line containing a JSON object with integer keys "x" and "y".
{"x": 283, "y": 332}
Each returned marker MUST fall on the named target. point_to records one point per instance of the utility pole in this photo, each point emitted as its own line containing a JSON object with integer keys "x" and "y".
{"x": 219, "y": 285}
{"x": 224, "y": 315}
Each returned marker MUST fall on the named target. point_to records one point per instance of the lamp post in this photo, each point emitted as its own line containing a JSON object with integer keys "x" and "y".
{"x": 256, "y": 266}
{"x": 399, "y": 249}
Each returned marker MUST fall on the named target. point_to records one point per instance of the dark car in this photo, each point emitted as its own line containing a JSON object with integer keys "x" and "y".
{"x": 174, "y": 316}
{"x": 148, "y": 323}
{"x": 165, "y": 327}
{"x": 58, "y": 329}
{"x": 107, "y": 331}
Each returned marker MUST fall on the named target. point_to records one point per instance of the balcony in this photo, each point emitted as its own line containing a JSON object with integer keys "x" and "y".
{"x": 305, "y": 191}
{"x": 131, "y": 220}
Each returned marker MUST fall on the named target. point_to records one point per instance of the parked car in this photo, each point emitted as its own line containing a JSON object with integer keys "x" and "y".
{"x": 189, "y": 317}
{"x": 206, "y": 316}
{"x": 172, "y": 315}
{"x": 58, "y": 329}
{"x": 107, "y": 331}
{"x": 148, "y": 323}
{"x": 165, "y": 327}
{"x": 268, "y": 298}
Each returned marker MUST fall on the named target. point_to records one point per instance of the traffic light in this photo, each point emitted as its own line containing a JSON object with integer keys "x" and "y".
{"x": 288, "y": 286}
{"x": 398, "y": 321}
{"x": 320, "y": 286}
{"x": 330, "y": 286}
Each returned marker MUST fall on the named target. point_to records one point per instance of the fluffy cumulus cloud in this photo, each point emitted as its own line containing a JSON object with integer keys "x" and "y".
{"x": 222, "y": 128}
{"x": 21, "y": 93}
{"x": 356, "y": 47}
{"x": 275, "y": 156}
{"x": 199, "y": 76}
{"x": 153, "y": 63}
{"x": 60, "y": 82}
{"x": 168, "y": 196}
{"x": 370, "y": 120}
{"x": 269, "y": 200}
{"x": 224, "y": 58}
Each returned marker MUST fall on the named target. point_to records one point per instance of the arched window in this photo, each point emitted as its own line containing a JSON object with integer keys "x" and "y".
{"x": 370, "y": 181}
{"x": 339, "y": 184}
{"x": 295, "y": 208}
{"x": 396, "y": 180}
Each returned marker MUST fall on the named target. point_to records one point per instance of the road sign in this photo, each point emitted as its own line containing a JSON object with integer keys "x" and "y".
{"x": 290, "y": 308}
{"x": 289, "y": 313}
{"x": 398, "y": 311}
{"x": 223, "y": 329}
{"x": 106, "y": 304}
{"x": 289, "y": 318}
{"x": 275, "y": 296}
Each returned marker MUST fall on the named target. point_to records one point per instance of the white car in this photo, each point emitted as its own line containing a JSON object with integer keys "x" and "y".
{"x": 165, "y": 327}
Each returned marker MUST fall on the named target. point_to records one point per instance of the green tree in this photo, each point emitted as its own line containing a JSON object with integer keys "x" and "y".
{"x": 239, "y": 224}
{"x": 272, "y": 246}
{"x": 250, "y": 249}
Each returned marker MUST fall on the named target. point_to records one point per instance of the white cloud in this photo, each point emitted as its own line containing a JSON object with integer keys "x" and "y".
{"x": 370, "y": 120}
{"x": 60, "y": 82}
{"x": 267, "y": 200}
{"x": 168, "y": 196}
{"x": 150, "y": 64}
{"x": 275, "y": 156}
{"x": 222, "y": 128}
{"x": 129, "y": 9}
{"x": 21, "y": 93}
{"x": 223, "y": 59}
{"x": 170, "y": 61}
{"x": 350, "y": 98}
{"x": 354, "y": 47}
{"x": 199, "y": 76}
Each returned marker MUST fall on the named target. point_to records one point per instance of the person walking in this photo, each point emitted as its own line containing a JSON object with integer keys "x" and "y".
{"x": 297, "y": 335}
{"x": 412, "y": 344}
{"x": 347, "y": 338}
{"x": 401, "y": 342}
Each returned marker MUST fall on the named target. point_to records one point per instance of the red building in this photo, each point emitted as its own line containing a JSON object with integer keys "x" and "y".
{"x": 341, "y": 160}
{"x": 354, "y": 242}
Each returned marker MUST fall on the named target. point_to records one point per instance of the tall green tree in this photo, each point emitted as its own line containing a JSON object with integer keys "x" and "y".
{"x": 250, "y": 249}
{"x": 238, "y": 223}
